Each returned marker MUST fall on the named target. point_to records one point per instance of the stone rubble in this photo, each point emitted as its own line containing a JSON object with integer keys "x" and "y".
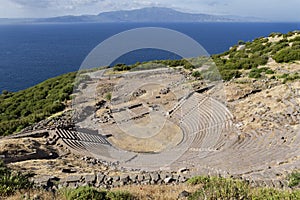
{"x": 104, "y": 180}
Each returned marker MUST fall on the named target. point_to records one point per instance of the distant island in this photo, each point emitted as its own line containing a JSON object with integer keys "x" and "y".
{"x": 149, "y": 14}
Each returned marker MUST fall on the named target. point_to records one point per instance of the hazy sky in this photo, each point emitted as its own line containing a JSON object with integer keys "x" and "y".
{"x": 277, "y": 10}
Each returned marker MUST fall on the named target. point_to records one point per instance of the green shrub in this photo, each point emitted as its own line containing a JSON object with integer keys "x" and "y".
{"x": 257, "y": 47}
{"x": 297, "y": 38}
{"x": 269, "y": 71}
{"x": 119, "y": 195}
{"x": 278, "y": 46}
{"x": 5, "y": 92}
{"x": 83, "y": 193}
{"x": 275, "y": 34}
{"x": 187, "y": 64}
{"x": 293, "y": 77}
{"x": 296, "y": 43}
{"x": 183, "y": 62}
{"x": 287, "y": 55}
{"x": 241, "y": 42}
{"x": 227, "y": 75}
{"x": 121, "y": 67}
{"x": 284, "y": 40}
{"x": 256, "y": 72}
{"x": 108, "y": 96}
{"x": 274, "y": 194}
{"x": 283, "y": 76}
{"x": 229, "y": 65}
{"x": 86, "y": 192}
{"x": 226, "y": 188}
{"x": 219, "y": 188}
{"x": 294, "y": 179}
{"x": 289, "y": 34}
{"x": 148, "y": 66}
{"x": 196, "y": 74}
{"x": 10, "y": 182}
{"x": 198, "y": 180}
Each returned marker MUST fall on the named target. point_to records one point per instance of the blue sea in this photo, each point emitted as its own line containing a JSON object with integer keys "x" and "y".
{"x": 30, "y": 54}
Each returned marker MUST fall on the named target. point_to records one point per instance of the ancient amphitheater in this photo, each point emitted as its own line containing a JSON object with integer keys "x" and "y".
{"x": 156, "y": 120}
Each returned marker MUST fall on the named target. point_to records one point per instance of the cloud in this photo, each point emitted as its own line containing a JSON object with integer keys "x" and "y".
{"x": 33, "y": 3}
{"x": 83, "y": 6}
{"x": 55, "y": 3}
{"x": 277, "y": 10}
{"x": 126, "y": 4}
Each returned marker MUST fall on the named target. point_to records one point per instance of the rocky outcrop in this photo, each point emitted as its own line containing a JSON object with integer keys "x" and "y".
{"x": 65, "y": 120}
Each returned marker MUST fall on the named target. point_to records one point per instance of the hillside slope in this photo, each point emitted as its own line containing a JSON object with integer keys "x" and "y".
{"x": 245, "y": 127}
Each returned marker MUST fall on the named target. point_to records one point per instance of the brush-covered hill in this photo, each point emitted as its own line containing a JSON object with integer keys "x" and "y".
{"x": 24, "y": 108}
{"x": 276, "y": 56}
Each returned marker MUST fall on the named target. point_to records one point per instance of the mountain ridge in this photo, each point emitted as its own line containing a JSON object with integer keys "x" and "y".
{"x": 148, "y": 14}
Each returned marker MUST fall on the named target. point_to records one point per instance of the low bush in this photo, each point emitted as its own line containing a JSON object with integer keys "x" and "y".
{"x": 278, "y": 46}
{"x": 227, "y": 188}
{"x": 83, "y": 193}
{"x": 219, "y": 188}
{"x": 269, "y": 71}
{"x": 287, "y": 55}
{"x": 275, "y": 34}
{"x": 123, "y": 67}
{"x": 227, "y": 75}
{"x": 273, "y": 194}
{"x": 196, "y": 74}
{"x": 86, "y": 192}
{"x": 297, "y": 38}
{"x": 289, "y": 77}
{"x": 294, "y": 179}
{"x": 256, "y": 72}
{"x": 175, "y": 63}
{"x": 11, "y": 182}
{"x": 119, "y": 195}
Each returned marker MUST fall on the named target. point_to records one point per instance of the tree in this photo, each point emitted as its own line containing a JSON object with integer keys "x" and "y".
{"x": 196, "y": 74}
{"x": 108, "y": 96}
{"x": 5, "y": 92}
{"x": 241, "y": 42}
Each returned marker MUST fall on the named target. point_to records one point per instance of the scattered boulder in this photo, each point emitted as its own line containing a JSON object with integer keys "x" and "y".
{"x": 140, "y": 177}
{"x": 139, "y": 92}
{"x": 133, "y": 178}
{"x": 183, "y": 170}
{"x": 90, "y": 179}
{"x": 164, "y": 90}
{"x": 100, "y": 178}
{"x": 184, "y": 194}
{"x": 154, "y": 177}
{"x": 168, "y": 180}
{"x": 72, "y": 179}
{"x": 124, "y": 180}
{"x": 67, "y": 170}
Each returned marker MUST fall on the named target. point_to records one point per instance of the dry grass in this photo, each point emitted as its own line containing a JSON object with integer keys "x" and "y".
{"x": 271, "y": 98}
{"x": 33, "y": 194}
{"x": 157, "y": 192}
{"x": 165, "y": 192}
{"x": 53, "y": 167}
